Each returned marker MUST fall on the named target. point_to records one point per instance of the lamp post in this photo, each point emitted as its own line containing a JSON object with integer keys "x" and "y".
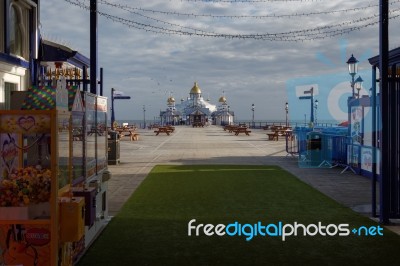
{"x": 316, "y": 108}
{"x": 358, "y": 84}
{"x": 144, "y": 116}
{"x": 352, "y": 62}
{"x": 311, "y": 98}
{"x": 112, "y": 109}
{"x": 287, "y": 113}
{"x": 252, "y": 109}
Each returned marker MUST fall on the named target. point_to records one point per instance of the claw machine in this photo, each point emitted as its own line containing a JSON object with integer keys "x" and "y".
{"x": 35, "y": 182}
{"x": 94, "y": 185}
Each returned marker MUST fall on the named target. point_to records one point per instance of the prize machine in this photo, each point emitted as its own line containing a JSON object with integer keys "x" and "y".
{"x": 47, "y": 206}
{"x": 91, "y": 181}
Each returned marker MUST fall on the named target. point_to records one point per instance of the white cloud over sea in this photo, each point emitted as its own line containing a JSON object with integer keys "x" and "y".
{"x": 149, "y": 66}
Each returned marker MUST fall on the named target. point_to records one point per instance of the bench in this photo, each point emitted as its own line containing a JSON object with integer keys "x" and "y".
{"x": 153, "y": 126}
{"x": 163, "y": 130}
{"x": 132, "y": 135}
{"x": 198, "y": 124}
{"x": 127, "y": 132}
{"x": 273, "y": 136}
{"x": 170, "y": 128}
{"x": 232, "y": 128}
{"x": 277, "y": 133}
{"x": 242, "y": 130}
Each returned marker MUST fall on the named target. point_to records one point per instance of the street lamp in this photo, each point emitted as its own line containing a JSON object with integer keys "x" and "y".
{"x": 311, "y": 98}
{"x": 287, "y": 113}
{"x": 144, "y": 116}
{"x": 316, "y": 107}
{"x": 358, "y": 83}
{"x": 353, "y": 69}
{"x": 252, "y": 109}
{"x": 112, "y": 109}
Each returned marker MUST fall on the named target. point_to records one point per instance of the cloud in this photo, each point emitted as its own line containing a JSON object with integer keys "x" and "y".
{"x": 145, "y": 65}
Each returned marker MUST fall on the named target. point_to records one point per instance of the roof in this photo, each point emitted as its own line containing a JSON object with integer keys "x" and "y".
{"x": 170, "y": 99}
{"x": 55, "y": 52}
{"x": 394, "y": 58}
{"x": 195, "y": 89}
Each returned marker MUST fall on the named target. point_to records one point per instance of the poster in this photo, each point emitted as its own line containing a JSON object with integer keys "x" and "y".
{"x": 366, "y": 159}
{"x": 24, "y": 244}
{"x": 356, "y": 119}
{"x": 353, "y": 155}
{"x": 9, "y": 154}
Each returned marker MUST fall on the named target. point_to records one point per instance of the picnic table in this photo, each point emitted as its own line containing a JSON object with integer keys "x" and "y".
{"x": 96, "y": 130}
{"x": 153, "y": 126}
{"x": 239, "y": 130}
{"x": 198, "y": 124}
{"x": 127, "y": 132}
{"x": 170, "y": 128}
{"x": 273, "y": 136}
{"x": 279, "y": 132}
{"x": 230, "y": 128}
{"x": 165, "y": 130}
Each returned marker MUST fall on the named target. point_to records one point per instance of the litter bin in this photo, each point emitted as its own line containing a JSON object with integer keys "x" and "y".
{"x": 314, "y": 148}
{"x": 113, "y": 148}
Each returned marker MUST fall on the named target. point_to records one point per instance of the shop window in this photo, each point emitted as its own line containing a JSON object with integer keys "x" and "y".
{"x": 16, "y": 31}
{"x": 5, "y": 95}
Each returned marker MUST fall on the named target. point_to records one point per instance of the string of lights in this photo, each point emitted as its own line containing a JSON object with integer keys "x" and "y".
{"x": 250, "y": 1}
{"x": 304, "y": 14}
{"x": 298, "y": 35}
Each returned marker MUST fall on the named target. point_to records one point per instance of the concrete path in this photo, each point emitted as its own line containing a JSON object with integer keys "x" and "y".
{"x": 213, "y": 145}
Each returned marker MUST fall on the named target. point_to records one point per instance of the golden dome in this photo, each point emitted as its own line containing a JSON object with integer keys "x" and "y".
{"x": 195, "y": 89}
{"x": 222, "y": 99}
{"x": 170, "y": 99}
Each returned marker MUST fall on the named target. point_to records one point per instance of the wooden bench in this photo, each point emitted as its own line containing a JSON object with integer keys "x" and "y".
{"x": 232, "y": 128}
{"x": 127, "y": 132}
{"x": 198, "y": 124}
{"x": 153, "y": 126}
{"x": 273, "y": 136}
{"x": 162, "y": 130}
{"x": 132, "y": 135}
{"x": 170, "y": 128}
{"x": 239, "y": 130}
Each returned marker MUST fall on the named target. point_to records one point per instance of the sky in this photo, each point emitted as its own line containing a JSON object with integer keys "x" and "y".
{"x": 263, "y": 52}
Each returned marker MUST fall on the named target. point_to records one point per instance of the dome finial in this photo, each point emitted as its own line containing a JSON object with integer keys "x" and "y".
{"x": 195, "y": 89}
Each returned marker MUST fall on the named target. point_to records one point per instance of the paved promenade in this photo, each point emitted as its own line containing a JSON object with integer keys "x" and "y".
{"x": 213, "y": 145}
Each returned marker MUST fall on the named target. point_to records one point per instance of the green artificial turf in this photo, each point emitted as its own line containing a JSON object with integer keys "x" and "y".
{"x": 152, "y": 227}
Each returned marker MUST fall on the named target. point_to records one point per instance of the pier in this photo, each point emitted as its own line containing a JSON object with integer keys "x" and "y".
{"x": 213, "y": 145}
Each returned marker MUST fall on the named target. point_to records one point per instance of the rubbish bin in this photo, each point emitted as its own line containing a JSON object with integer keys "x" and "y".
{"x": 113, "y": 148}
{"x": 314, "y": 148}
